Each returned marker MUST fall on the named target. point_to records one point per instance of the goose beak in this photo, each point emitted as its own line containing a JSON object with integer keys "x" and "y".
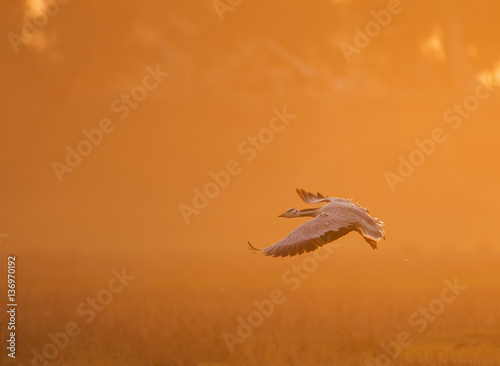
{"x": 282, "y": 215}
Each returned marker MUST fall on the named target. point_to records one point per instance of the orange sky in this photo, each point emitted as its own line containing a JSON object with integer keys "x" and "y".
{"x": 353, "y": 121}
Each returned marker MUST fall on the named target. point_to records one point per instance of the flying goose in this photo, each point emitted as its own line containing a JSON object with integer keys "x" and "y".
{"x": 331, "y": 221}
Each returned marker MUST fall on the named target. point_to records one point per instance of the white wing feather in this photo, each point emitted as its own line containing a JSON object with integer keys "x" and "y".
{"x": 311, "y": 235}
{"x": 312, "y": 198}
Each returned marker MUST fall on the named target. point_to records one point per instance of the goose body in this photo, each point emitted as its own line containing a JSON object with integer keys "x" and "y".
{"x": 331, "y": 221}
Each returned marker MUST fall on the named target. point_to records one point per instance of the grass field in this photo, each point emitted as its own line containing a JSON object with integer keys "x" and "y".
{"x": 339, "y": 315}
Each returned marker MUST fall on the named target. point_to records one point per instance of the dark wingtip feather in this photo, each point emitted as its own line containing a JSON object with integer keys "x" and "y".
{"x": 252, "y": 248}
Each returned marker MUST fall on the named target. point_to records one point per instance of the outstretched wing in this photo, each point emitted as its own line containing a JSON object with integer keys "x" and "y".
{"x": 309, "y": 236}
{"x": 311, "y": 197}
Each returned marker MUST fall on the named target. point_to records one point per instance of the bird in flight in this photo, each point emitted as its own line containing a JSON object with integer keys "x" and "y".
{"x": 331, "y": 221}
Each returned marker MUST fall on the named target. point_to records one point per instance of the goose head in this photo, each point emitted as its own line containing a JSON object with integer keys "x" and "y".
{"x": 291, "y": 212}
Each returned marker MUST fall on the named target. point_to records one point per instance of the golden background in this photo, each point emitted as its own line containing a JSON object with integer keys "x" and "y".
{"x": 230, "y": 65}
